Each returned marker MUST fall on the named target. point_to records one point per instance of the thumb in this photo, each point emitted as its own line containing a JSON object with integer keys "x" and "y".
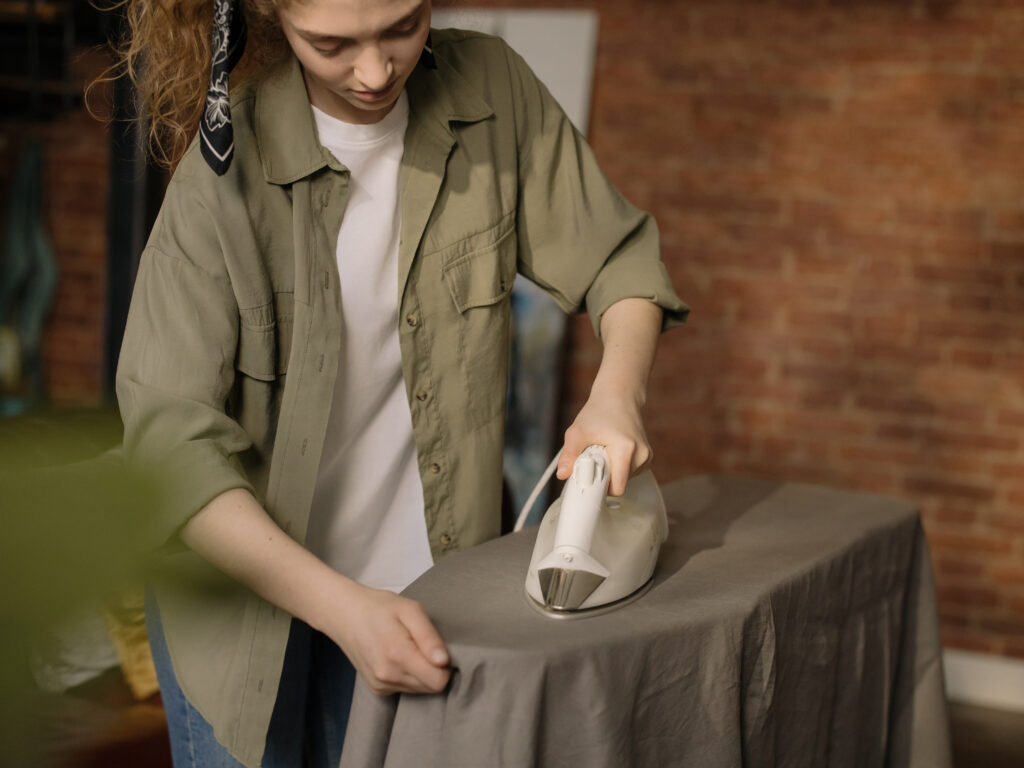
{"x": 425, "y": 635}
{"x": 571, "y": 450}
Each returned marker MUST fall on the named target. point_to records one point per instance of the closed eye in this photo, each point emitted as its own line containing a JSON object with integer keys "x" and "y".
{"x": 332, "y": 50}
{"x": 404, "y": 30}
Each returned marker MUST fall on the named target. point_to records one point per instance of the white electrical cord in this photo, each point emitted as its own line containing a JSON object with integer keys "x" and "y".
{"x": 541, "y": 485}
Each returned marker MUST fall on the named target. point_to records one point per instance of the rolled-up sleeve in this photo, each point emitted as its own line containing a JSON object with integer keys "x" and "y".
{"x": 176, "y": 366}
{"x": 579, "y": 239}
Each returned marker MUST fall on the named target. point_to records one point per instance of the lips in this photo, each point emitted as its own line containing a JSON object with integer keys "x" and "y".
{"x": 371, "y": 96}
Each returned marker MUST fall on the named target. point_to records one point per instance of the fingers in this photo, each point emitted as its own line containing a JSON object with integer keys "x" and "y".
{"x": 401, "y": 668}
{"x": 393, "y": 645}
{"x": 421, "y": 655}
{"x": 620, "y": 457}
{"x": 573, "y": 446}
{"x": 626, "y": 457}
{"x": 641, "y": 458}
{"x": 426, "y": 639}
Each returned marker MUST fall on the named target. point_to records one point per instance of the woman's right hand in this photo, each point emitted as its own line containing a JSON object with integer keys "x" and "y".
{"x": 390, "y": 641}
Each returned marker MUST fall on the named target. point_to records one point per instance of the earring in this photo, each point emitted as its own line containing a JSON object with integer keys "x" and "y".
{"x": 427, "y": 57}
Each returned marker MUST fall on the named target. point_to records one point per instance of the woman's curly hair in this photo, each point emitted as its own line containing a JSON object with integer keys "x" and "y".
{"x": 166, "y": 53}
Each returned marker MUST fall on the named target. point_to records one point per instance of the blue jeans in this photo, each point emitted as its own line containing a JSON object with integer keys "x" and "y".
{"x": 310, "y": 715}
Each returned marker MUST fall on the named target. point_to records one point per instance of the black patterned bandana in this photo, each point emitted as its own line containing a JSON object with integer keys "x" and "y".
{"x": 227, "y": 44}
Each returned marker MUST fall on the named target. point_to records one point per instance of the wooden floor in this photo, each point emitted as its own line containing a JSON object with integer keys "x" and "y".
{"x": 986, "y": 738}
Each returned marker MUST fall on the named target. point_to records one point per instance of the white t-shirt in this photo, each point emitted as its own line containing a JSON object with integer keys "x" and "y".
{"x": 367, "y": 518}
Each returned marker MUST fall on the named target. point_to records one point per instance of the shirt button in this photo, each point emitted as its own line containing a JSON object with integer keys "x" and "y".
{"x": 435, "y": 468}
{"x": 412, "y": 320}
{"x": 421, "y": 395}
{"x": 446, "y": 539}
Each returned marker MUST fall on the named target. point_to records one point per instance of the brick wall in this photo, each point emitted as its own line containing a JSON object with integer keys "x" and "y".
{"x": 840, "y": 188}
{"x": 77, "y": 169}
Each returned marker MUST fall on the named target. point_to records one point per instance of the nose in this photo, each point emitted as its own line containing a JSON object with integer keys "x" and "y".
{"x": 374, "y": 68}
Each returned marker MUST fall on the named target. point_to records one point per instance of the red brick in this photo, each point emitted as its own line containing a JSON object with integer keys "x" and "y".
{"x": 966, "y": 302}
{"x": 1008, "y": 574}
{"x": 962, "y": 221}
{"x": 958, "y": 567}
{"x": 977, "y": 543}
{"x": 929, "y": 485}
{"x": 959, "y": 276}
{"x": 877, "y": 455}
{"x": 824, "y": 349}
{"x": 721, "y": 203}
{"x": 972, "y": 596}
{"x": 1014, "y": 649}
{"x": 978, "y": 441}
{"x": 1008, "y": 471}
{"x": 822, "y": 425}
{"x": 972, "y": 358}
{"x": 1010, "y": 253}
{"x": 963, "y": 329}
{"x": 832, "y": 375}
{"x": 1008, "y": 221}
{"x": 816, "y": 322}
{"x": 853, "y": 215}
{"x": 907, "y": 406}
{"x": 879, "y": 352}
{"x": 1007, "y": 417}
{"x": 884, "y": 327}
{"x": 950, "y": 515}
{"x": 967, "y": 640}
{"x": 1010, "y": 626}
{"x": 1008, "y": 522}
{"x": 967, "y": 385}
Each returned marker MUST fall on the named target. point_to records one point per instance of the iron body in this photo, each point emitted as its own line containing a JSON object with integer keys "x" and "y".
{"x": 594, "y": 551}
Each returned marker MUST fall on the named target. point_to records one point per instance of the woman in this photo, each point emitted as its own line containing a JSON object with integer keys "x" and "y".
{"x": 327, "y": 436}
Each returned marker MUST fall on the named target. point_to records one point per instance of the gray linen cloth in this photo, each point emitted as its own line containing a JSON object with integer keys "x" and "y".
{"x": 788, "y": 625}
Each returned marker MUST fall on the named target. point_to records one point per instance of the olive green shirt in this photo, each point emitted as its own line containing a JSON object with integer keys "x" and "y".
{"x": 230, "y": 355}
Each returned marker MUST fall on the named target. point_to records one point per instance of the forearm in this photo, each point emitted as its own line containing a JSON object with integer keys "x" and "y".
{"x": 611, "y": 416}
{"x": 629, "y": 330}
{"x": 236, "y": 535}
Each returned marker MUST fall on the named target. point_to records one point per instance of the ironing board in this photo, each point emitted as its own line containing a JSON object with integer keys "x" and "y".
{"x": 789, "y": 625}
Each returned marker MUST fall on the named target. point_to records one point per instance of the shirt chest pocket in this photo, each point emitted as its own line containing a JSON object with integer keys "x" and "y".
{"x": 479, "y": 282}
{"x": 265, "y": 338}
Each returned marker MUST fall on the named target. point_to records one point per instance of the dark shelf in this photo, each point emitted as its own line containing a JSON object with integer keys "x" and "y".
{"x": 40, "y": 12}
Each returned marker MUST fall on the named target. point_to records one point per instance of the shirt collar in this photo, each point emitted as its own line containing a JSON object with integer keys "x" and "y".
{"x": 286, "y": 135}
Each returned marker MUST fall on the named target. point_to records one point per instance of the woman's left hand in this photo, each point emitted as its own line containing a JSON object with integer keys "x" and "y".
{"x": 615, "y": 423}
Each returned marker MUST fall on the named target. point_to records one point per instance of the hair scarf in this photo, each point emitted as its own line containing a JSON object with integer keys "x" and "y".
{"x": 227, "y": 43}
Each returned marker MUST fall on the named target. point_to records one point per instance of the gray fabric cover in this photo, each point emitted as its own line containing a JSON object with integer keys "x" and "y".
{"x": 789, "y": 625}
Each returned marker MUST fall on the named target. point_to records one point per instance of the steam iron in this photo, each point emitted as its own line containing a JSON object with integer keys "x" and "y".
{"x": 595, "y": 553}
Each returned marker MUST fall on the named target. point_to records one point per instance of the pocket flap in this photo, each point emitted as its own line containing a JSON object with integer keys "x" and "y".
{"x": 265, "y": 339}
{"x": 482, "y": 277}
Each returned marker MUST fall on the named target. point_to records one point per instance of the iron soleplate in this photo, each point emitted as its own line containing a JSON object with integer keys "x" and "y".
{"x": 597, "y": 610}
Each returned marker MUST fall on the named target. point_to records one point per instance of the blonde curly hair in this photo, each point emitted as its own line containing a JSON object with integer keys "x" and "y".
{"x": 166, "y": 53}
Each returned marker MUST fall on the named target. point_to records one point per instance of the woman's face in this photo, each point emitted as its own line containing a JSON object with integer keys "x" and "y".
{"x": 356, "y": 54}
